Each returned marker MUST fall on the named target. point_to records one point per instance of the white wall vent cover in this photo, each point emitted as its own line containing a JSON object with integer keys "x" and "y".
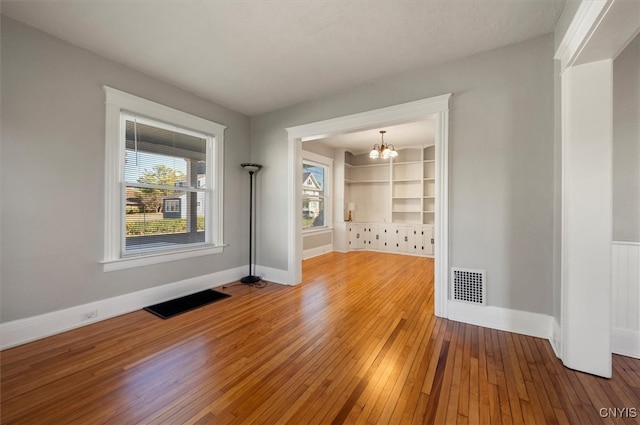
{"x": 469, "y": 285}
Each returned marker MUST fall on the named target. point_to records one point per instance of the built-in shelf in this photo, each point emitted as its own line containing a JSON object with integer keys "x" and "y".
{"x": 401, "y": 190}
{"x": 385, "y": 164}
{"x": 396, "y": 163}
{"x": 366, "y": 181}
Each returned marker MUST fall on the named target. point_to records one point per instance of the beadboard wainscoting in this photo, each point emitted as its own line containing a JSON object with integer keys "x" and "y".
{"x": 625, "y": 319}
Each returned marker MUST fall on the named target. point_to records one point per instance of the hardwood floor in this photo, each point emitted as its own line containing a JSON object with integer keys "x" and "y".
{"x": 356, "y": 342}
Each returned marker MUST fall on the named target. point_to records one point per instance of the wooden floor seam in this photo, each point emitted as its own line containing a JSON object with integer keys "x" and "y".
{"x": 355, "y": 343}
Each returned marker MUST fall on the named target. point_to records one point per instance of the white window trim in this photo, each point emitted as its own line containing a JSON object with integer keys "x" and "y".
{"x": 328, "y": 163}
{"x": 317, "y": 230}
{"x": 116, "y": 102}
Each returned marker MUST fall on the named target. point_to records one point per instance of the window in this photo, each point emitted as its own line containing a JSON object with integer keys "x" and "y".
{"x": 172, "y": 205}
{"x": 315, "y": 191}
{"x": 163, "y": 183}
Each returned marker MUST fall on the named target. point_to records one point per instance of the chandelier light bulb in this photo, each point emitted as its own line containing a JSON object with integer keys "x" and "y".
{"x": 383, "y": 150}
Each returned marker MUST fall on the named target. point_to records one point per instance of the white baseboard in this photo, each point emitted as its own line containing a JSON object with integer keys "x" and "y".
{"x": 556, "y": 338}
{"x": 314, "y": 252}
{"x": 504, "y": 319}
{"x": 21, "y": 331}
{"x": 625, "y": 342}
{"x": 274, "y": 275}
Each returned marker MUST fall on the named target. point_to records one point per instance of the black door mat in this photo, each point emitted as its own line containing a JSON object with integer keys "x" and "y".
{"x": 183, "y": 304}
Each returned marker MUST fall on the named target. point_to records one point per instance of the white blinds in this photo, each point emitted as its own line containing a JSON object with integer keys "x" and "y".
{"x": 165, "y": 185}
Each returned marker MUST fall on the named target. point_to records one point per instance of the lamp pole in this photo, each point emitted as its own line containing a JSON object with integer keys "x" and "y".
{"x": 252, "y": 169}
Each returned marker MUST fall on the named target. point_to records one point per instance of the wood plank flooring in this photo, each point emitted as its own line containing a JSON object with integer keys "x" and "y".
{"x": 356, "y": 342}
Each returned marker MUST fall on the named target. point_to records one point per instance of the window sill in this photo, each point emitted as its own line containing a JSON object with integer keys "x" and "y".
{"x": 157, "y": 258}
{"x": 317, "y": 231}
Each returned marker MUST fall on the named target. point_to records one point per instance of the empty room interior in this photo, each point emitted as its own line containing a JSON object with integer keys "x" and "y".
{"x": 320, "y": 212}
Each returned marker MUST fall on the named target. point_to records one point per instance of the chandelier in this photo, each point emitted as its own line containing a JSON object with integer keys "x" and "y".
{"x": 383, "y": 150}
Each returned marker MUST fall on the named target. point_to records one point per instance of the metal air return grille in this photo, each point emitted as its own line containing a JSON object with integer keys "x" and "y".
{"x": 469, "y": 285}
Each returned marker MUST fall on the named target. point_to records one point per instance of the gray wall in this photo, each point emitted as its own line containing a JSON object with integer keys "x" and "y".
{"x": 317, "y": 146}
{"x": 316, "y": 240}
{"x": 52, "y": 168}
{"x": 501, "y": 164}
{"x": 626, "y": 144}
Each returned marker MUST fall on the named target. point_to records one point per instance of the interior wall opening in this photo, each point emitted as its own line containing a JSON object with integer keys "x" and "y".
{"x": 435, "y": 110}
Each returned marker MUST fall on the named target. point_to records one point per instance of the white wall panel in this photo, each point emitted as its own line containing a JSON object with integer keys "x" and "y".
{"x": 625, "y": 264}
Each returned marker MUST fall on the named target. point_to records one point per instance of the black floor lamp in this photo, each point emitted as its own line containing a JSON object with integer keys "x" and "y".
{"x": 252, "y": 169}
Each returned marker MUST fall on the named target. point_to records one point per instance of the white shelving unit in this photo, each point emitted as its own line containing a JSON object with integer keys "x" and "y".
{"x": 393, "y": 191}
{"x": 406, "y": 187}
{"x": 428, "y": 185}
{"x": 395, "y": 201}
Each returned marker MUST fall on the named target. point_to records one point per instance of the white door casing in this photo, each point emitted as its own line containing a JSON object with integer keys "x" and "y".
{"x": 436, "y": 108}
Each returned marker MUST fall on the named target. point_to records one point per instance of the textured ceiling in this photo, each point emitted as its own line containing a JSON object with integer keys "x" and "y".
{"x": 259, "y": 56}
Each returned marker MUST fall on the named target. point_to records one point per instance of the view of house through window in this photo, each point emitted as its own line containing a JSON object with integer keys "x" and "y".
{"x": 165, "y": 175}
{"x": 313, "y": 194}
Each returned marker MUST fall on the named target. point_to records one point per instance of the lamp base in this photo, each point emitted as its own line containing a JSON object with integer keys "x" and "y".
{"x": 251, "y": 279}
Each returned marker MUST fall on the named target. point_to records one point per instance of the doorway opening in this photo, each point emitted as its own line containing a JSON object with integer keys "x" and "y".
{"x": 435, "y": 109}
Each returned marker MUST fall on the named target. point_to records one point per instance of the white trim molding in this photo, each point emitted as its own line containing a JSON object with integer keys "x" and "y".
{"x": 317, "y": 251}
{"x": 578, "y": 33}
{"x": 398, "y": 114}
{"x": 503, "y": 319}
{"x": 431, "y": 108}
{"x": 556, "y": 338}
{"x": 441, "y": 229}
{"x": 163, "y": 257}
{"x": 118, "y": 102}
{"x": 598, "y": 32}
{"x": 600, "y": 29}
{"x": 21, "y": 331}
{"x": 272, "y": 275}
{"x": 586, "y": 217}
